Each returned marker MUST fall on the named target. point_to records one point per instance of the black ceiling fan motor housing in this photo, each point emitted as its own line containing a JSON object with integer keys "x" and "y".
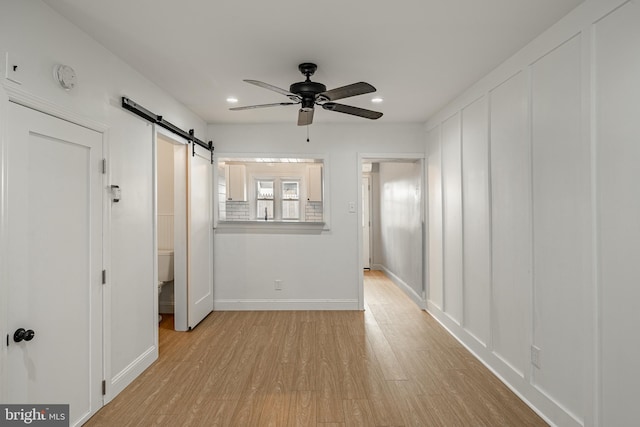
{"x": 307, "y": 89}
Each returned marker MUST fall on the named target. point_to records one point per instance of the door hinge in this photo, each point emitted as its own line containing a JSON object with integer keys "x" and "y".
{"x": 104, "y": 387}
{"x": 104, "y": 277}
{"x": 104, "y": 166}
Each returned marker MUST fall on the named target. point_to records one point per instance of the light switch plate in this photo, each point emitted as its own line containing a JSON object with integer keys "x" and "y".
{"x": 352, "y": 207}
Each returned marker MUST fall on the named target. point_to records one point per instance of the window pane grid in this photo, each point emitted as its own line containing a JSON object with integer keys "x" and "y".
{"x": 290, "y": 200}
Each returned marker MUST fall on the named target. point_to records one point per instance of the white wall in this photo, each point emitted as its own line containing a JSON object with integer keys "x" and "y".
{"x": 548, "y": 176}
{"x": 561, "y": 225}
{"x": 165, "y": 177}
{"x": 37, "y": 38}
{"x": 166, "y": 201}
{"x": 165, "y": 193}
{"x": 401, "y": 224}
{"x": 511, "y": 220}
{"x": 617, "y": 152}
{"x": 376, "y": 247}
{"x": 452, "y": 217}
{"x": 476, "y": 221}
{"x": 319, "y": 270}
{"x": 435, "y": 242}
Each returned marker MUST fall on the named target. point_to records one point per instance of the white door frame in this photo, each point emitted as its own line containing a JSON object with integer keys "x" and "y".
{"x": 380, "y": 157}
{"x": 21, "y": 97}
{"x": 4, "y": 321}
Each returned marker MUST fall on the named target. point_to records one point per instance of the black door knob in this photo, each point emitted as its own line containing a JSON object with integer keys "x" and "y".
{"x": 23, "y": 335}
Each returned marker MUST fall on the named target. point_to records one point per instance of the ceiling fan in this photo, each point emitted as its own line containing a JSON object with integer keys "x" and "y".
{"x": 309, "y": 94}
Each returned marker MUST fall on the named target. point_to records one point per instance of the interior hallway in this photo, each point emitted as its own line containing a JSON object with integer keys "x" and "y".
{"x": 391, "y": 365}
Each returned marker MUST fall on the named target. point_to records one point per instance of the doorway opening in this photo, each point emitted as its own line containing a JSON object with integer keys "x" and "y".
{"x": 184, "y": 229}
{"x": 391, "y": 226}
{"x": 171, "y": 230}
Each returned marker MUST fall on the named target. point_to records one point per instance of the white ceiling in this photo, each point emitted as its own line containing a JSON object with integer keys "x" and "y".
{"x": 419, "y": 54}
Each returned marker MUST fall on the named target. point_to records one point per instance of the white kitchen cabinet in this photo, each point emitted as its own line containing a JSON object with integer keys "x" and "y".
{"x": 314, "y": 183}
{"x": 236, "y": 177}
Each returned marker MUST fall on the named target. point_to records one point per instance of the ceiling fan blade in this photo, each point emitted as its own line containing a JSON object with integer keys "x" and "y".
{"x": 305, "y": 117}
{"x": 347, "y": 91}
{"x": 354, "y": 111}
{"x": 251, "y": 107}
{"x": 273, "y": 88}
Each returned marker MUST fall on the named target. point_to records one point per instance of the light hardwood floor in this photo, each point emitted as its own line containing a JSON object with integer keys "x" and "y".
{"x": 391, "y": 365}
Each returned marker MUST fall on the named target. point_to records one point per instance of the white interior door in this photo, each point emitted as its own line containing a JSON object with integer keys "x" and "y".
{"x": 200, "y": 252}
{"x": 366, "y": 221}
{"x": 54, "y": 211}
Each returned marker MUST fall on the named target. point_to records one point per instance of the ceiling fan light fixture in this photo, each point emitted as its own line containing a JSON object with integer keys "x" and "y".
{"x": 377, "y": 100}
{"x": 232, "y": 100}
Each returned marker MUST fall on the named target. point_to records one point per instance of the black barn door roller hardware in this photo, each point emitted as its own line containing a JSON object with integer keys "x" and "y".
{"x": 139, "y": 110}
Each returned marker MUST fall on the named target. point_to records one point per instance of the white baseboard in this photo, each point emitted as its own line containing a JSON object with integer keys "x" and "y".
{"x": 284, "y": 304}
{"x": 123, "y": 378}
{"x": 411, "y": 293}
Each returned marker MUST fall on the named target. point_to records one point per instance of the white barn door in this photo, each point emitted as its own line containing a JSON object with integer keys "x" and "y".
{"x": 54, "y": 246}
{"x": 200, "y": 233}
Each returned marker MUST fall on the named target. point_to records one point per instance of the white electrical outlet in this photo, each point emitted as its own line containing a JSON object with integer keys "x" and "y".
{"x": 535, "y": 356}
{"x": 278, "y": 284}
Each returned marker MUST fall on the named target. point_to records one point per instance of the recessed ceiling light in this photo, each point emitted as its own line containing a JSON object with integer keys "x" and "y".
{"x": 376, "y": 100}
{"x": 232, "y": 100}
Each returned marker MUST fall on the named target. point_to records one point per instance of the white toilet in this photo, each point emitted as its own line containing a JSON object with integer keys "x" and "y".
{"x": 165, "y": 270}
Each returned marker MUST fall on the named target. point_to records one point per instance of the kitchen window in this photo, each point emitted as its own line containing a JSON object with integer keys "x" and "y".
{"x": 290, "y": 200}
{"x": 277, "y": 198}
